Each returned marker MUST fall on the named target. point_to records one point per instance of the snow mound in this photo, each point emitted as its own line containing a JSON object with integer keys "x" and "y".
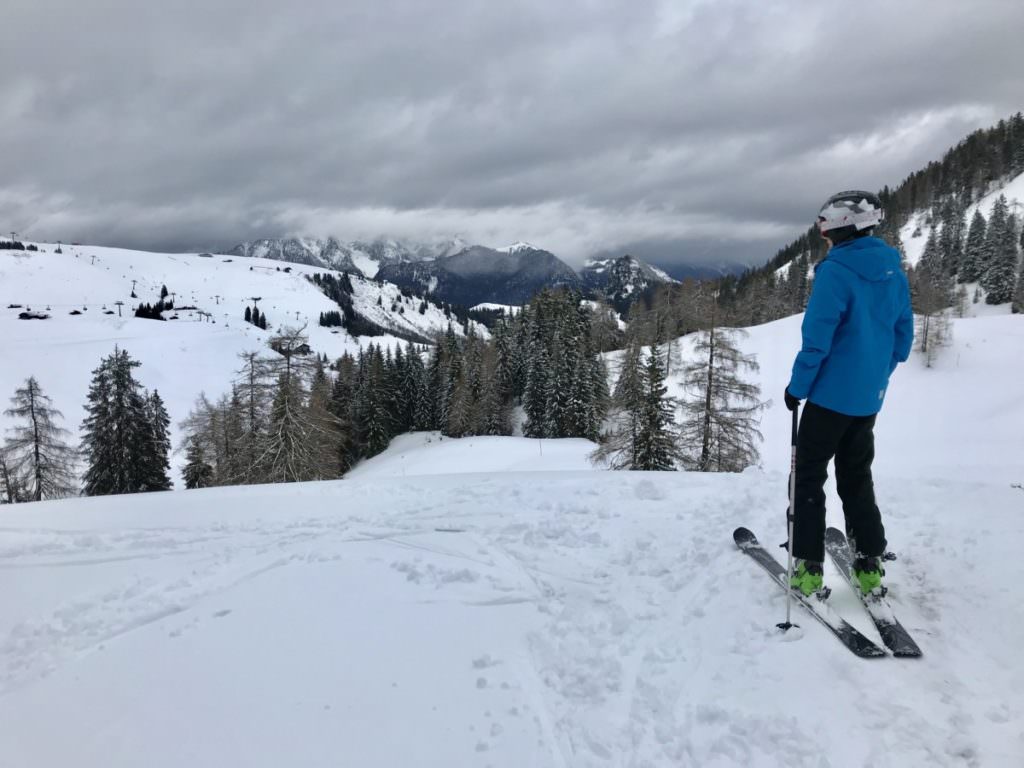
{"x": 429, "y": 453}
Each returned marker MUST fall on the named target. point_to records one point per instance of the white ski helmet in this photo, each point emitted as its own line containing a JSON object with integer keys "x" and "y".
{"x": 853, "y": 208}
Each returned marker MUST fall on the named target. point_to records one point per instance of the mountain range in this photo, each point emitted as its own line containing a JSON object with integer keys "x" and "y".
{"x": 459, "y": 273}
{"x": 363, "y": 257}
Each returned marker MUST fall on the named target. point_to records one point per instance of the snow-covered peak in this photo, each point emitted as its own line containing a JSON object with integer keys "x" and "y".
{"x": 517, "y": 247}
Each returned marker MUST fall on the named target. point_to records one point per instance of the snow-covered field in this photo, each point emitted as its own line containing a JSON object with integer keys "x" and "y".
{"x": 458, "y": 603}
{"x": 182, "y": 357}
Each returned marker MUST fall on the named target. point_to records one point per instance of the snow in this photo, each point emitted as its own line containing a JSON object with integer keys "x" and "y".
{"x": 1014, "y": 191}
{"x": 662, "y": 274}
{"x": 429, "y": 453}
{"x": 507, "y": 308}
{"x": 364, "y": 263}
{"x": 516, "y": 247}
{"x": 497, "y": 601}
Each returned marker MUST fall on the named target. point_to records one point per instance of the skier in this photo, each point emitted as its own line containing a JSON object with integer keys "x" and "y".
{"x": 858, "y": 327}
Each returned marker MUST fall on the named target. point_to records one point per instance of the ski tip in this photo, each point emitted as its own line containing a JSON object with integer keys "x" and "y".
{"x": 908, "y": 654}
{"x": 744, "y": 537}
{"x": 873, "y": 653}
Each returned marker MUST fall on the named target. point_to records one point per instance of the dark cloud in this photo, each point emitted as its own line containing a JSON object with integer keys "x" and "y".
{"x": 675, "y": 129}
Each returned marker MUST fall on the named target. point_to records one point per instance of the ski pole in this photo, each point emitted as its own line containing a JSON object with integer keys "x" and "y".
{"x": 789, "y": 521}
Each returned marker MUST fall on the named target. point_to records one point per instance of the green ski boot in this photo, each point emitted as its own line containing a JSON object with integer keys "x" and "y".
{"x": 807, "y": 577}
{"x": 868, "y": 573}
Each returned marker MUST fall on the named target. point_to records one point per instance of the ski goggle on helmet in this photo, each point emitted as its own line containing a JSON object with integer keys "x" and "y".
{"x": 853, "y": 208}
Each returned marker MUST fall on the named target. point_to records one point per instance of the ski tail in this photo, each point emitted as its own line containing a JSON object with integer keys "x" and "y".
{"x": 894, "y": 635}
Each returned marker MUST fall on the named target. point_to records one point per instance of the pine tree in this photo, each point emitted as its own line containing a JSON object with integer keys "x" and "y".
{"x": 561, "y": 383}
{"x": 719, "y": 423}
{"x": 460, "y": 411}
{"x": 974, "y": 250}
{"x": 38, "y": 459}
{"x": 434, "y": 409}
{"x": 1000, "y": 277}
{"x": 341, "y": 407}
{"x": 116, "y": 430}
{"x": 535, "y": 398}
{"x": 995, "y": 234}
{"x": 796, "y": 285}
{"x": 505, "y": 366}
{"x": 619, "y": 446}
{"x": 474, "y": 378}
{"x": 412, "y": 390}
{"x": 226, "y": 436}
{"x": 377, "y": 426}
{"x": 157, "y": 465}
{"x": 931, "y": 287}
{"x": 424, "y": 417}
{"x": 496, "y": 403}
{"x": 598, "y": 406}
{"x": 199, "y": 436}
{"x": 289, "y": 453}
{"x": 254, "y": 384}
{"x": 656, "y": 441}
{"x": 326, "y": 429}
{"x": 951, "y": 239}
{"x": 197, "y": 472}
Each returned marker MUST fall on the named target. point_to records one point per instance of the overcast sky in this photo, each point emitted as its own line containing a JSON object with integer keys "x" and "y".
{"x": 682, "y": 131}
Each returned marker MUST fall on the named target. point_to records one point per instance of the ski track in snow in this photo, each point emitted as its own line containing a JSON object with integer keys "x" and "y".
{"x": 651, "y": 642}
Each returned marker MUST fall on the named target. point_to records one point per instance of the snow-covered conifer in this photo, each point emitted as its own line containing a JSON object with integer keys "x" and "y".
{"x": 197, "y": 472}
{"x": 1000, "y": 276}
{"x": 974, "y": 250}
{"x": 157, "y": 465}
{"x": 116, "y": 431}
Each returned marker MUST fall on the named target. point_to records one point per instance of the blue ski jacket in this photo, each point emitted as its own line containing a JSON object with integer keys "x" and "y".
{"x": 858, "y": 327}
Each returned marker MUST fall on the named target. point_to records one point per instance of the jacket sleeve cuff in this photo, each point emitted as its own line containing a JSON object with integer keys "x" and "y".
{"x": 800, "y": 393}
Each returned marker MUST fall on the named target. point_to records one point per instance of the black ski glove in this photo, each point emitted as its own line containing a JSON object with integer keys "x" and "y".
{"x": 792, "y": 403}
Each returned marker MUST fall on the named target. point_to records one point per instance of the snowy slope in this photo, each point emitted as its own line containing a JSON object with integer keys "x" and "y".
{"x": 914, "y": 246}
{"x": 181, "y": 357}
{"x": 513, "y": 616}
{"x": 538, "y": 619}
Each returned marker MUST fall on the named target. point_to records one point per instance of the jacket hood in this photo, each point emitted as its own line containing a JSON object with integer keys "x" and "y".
{"x": 869, "y": 257}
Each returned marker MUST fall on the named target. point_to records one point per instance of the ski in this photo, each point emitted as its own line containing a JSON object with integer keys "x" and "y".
{"x": 848, "y": 635}
{"x": 895, "y": 637}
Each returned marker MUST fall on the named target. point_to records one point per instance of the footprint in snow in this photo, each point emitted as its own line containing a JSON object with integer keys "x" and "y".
{"x": 645, "y": 490}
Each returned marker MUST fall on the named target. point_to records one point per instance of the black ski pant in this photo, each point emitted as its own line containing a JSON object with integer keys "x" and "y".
{"x": 825, "y": 434}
